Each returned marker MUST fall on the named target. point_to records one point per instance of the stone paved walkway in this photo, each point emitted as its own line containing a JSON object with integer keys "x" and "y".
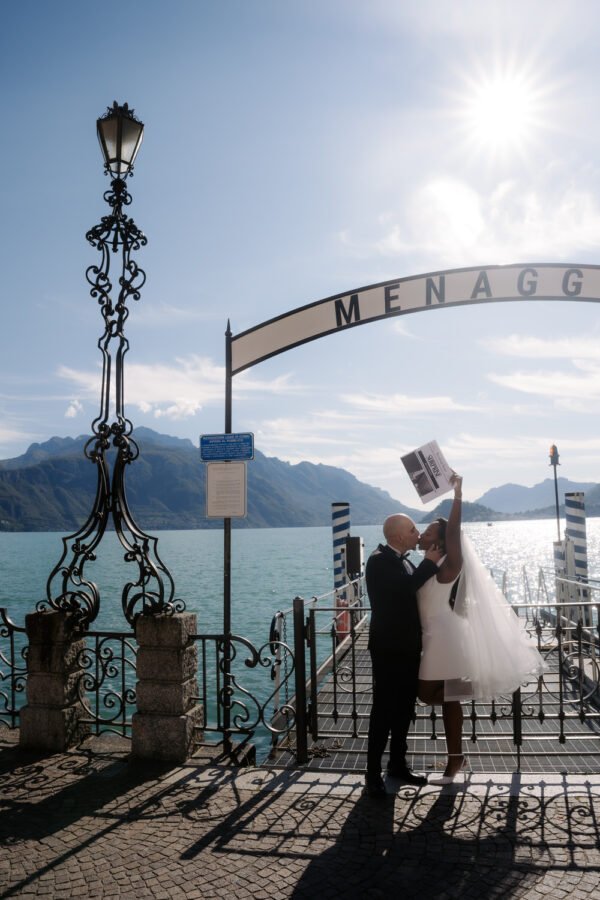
{"x": 94, "y": 825}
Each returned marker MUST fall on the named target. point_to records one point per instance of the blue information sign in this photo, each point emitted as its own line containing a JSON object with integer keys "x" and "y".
{"x": 223, "y": 447}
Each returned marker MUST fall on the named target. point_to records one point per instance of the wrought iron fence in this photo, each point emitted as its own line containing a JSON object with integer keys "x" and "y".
{"x": 253, "y": 695}
{"x": 345, "y": 612}
{"x": 13, "y": 670}
{"x": 312, "y": 678}
{"x": 106, "y": 682}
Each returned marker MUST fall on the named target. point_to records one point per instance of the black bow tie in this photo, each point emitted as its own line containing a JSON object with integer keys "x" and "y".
{"x": 404, "y": 555}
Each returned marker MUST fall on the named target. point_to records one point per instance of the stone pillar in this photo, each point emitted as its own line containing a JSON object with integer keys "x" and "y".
{"x": 168, "y": 720}
{"x": 51, "y": 719}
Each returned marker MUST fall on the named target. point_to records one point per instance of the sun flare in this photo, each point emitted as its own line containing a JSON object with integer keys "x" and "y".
{"x": 502, "y": 112}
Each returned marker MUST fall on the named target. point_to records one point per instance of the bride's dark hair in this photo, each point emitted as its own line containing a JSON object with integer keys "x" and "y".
{"x": 441, "y": 531}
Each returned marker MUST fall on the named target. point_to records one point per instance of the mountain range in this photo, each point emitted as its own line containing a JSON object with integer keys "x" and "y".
{"x": 52, "y": 485}
{"x": 514, "y": 498}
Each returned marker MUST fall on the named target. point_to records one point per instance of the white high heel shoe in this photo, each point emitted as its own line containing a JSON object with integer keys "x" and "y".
{"x": 464, "y": 767}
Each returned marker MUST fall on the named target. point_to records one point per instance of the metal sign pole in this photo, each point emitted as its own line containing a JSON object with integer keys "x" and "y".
{"x": 227, "y": 566}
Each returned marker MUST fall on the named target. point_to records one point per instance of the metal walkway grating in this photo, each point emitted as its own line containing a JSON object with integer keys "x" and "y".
{"x": 344, "y": 698}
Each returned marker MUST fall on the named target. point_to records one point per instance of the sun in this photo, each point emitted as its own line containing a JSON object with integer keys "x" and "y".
{"x": 502, "y": 113}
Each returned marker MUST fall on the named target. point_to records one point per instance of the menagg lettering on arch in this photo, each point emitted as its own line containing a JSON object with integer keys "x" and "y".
{"x": 526, "y": 281}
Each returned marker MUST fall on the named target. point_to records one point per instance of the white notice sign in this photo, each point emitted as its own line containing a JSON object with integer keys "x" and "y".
{"x": 225, "y": 490}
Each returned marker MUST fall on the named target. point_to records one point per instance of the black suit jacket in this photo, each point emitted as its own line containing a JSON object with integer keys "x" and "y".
{"x": 392, "y": 590}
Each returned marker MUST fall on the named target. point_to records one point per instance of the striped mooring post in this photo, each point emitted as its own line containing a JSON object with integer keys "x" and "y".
{"x": 340, "y": 525}
{"x": 570, "y": 555}
{"x": 575, "y": 530}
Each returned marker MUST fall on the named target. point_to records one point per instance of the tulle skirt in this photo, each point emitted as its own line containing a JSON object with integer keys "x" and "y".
{"x": 499, "y": 655}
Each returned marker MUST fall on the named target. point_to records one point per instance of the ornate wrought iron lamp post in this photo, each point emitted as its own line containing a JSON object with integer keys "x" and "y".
{"x": 120, "y": 134}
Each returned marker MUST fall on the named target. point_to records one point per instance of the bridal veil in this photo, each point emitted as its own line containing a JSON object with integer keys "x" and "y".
{"x": 501, "y": 656}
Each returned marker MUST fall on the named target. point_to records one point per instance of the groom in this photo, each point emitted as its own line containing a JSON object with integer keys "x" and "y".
{"x": 395, "y": 647}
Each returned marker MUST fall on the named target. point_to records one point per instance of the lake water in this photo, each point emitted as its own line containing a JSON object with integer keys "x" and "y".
{"x": 269, "y": 568}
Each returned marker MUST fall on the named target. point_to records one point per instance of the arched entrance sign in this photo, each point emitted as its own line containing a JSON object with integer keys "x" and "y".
{"x": 406, "y": 295}
{"x": 455, "y": 287}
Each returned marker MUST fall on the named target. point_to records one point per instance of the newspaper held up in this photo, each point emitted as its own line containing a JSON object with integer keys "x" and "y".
{"x": 428, "y": 471}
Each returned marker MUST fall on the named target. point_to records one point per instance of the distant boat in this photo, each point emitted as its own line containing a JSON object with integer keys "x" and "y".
{"x": 490, "y": 524}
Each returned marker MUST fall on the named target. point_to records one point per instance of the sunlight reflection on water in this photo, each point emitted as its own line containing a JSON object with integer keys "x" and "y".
{"x": 270, "y": 566}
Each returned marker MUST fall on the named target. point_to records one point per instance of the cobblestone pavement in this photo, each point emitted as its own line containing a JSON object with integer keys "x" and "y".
{"x": 94, "y": 825}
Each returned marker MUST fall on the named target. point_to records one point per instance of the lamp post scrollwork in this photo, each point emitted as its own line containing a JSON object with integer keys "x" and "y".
{"x": 116, "y": 237}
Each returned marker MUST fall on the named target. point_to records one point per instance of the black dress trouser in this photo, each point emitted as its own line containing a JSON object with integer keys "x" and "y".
{"x": 395, "y": 683}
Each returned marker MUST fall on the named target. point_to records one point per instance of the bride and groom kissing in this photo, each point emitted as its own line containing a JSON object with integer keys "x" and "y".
{"x": 441, "y": 631}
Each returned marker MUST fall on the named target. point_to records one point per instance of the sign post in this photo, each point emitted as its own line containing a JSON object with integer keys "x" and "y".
{"x": 226, "y": 497}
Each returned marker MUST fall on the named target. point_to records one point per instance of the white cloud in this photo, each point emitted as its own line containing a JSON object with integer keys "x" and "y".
{"x": 468, "y": 448}
{"x": 531, "y": 347}
{"x": 176, "y": 391}
{"x": 308, "y": 435}
{"x": 553, "y": 384}
{"x": 282, "y": 384}
{"x": 165, "y": 314}
{"x": 402, "y": 403}
{"x": 181, "y": 409}
{"x": 449, "y": 221}
{"x": 73, "y": 409}
{"x": 13, "y": 436}
{"x": 398, "y": 327}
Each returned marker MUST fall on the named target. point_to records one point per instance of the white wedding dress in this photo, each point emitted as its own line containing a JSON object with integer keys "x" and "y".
{"x": 480, "y": 649}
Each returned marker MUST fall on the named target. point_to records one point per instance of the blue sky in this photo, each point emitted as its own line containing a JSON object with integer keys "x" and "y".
{"x": 293, "y": 151}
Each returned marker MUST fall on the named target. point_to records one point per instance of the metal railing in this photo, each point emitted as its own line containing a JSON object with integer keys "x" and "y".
{"x": 106, "y": 682}
{"x": 311, "y": 679}
{"x": 244, "y": 701}
{"x": 259, "y": 695}
{"x": 13, "y": 670}
{"x": 563, "y": 706}
{"x": 345, "y": 612}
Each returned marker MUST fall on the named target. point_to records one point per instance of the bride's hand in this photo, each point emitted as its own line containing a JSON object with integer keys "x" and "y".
{"x": 456, "y": 481}
{"x": 434, "y": 553}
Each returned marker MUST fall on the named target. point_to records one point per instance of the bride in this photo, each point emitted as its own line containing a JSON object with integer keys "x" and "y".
{"x": 474, "y": 646}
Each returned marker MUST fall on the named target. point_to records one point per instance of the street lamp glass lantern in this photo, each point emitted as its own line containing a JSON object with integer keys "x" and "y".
{"x": 120, "y": 134}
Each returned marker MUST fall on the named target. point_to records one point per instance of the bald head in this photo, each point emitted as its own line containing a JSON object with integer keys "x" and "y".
{"x": 400, "y": 532}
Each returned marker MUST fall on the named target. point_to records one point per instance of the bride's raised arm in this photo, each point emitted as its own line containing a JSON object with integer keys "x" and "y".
{"x": 453, "y": 561}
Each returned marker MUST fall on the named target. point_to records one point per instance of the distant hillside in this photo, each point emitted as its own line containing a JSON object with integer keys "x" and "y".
{"x": 515, "y": 498}
{"x": 475, "y": 512}
{"x": 471, "y": 512}
{"x": 51, "y": 488}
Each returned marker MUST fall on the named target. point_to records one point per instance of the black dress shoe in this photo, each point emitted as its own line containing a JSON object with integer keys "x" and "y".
{"x": 402, "y": 773}
{"x": 375, "y": 787}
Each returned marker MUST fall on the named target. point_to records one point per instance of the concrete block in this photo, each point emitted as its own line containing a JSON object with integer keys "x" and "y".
{"x": 166, "y": 698}
{"x": 169, "y": 738}
{"x": 52, "y": 690}
{"x": 50, "y": 627}
{"x": 54, "y": 658}
{"x": 165, "y": 631}
{"x": 167, "y": 664}
{"x": 46, "y": 728}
